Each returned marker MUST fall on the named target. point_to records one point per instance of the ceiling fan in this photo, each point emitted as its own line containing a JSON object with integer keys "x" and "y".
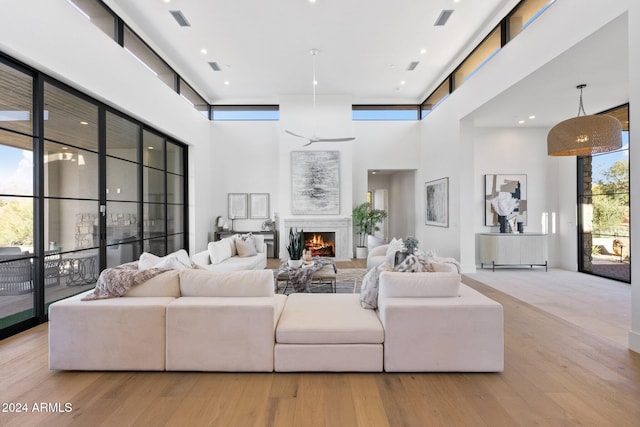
{"x": 315, "y": 138}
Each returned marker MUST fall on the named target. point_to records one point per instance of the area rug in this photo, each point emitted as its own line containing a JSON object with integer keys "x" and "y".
{"x": 348, "y": 281}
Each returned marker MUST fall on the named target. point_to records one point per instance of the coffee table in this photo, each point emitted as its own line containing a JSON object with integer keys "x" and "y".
{"x": 325, "y": 275}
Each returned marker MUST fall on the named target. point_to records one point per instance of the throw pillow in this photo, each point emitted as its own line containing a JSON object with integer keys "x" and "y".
{"x": 370, "y": 285}
{"x": 232, "y": 243}
{"x": 147, "y": 261}
{"x": 219, "y": 251}
{"x": 175, "y": 261}
{"x": 178, "y": 260}
{"x": 246, "y": 245}
{"x": 395, "y": 245}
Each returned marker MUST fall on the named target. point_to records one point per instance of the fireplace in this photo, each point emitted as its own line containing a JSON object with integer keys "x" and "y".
{"x": 341, "y": 227}
{"x": 320, "y": 243}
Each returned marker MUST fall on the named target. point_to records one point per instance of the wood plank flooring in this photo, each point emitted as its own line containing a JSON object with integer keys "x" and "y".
{"x": 556, "y": 374}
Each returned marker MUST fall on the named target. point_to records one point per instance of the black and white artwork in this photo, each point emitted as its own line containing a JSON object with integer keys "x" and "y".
{"x": 514, "y": 185}
{"x": 437, "y": 202}
{"x": 315, "y": 182}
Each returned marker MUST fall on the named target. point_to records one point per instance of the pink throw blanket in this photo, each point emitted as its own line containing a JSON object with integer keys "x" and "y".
{"x": 117, "y": 281}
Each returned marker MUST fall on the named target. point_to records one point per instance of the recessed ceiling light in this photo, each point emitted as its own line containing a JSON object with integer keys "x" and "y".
{"x": 402, "y": 82}
{"x": 521, "y": 121}
{"x": 315, "y": 83}
{"x": 423, "y": 51}
{"x": 150, "y": 147}
{"x": 312, "y": 1}
{"x": 532, "y": 117}
{"x": 84, "y": 123}
{"x": 226, "y": 83}
{"x": 203, "y": 51}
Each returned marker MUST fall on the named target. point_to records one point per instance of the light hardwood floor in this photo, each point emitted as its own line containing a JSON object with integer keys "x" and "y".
{"x": 556, "y": 374}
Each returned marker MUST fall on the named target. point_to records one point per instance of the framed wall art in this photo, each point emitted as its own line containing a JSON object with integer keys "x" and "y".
{"x": 437, "y": 202}
{"x": 315, "y": 182}
{"x": 237, "y": 204}
{"x": 259, "y": 205}
{"x": 515, "y": 185}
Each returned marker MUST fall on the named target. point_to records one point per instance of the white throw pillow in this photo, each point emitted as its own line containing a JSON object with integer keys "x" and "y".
{"x": 395, "y": 245}
{"x": 232, "y": 242}
{"x": 246, "y": 245}
{"x": 219, "y": 251}
{"x": 175, "y": 261}
{"x": 147, "y": 261}
{"x": 259, "y": 239}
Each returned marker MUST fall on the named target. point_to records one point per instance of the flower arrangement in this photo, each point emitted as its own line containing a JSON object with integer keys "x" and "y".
{"x": 504, "y": 204}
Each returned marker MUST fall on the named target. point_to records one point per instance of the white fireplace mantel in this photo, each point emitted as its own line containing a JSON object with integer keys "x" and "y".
{"x": 341, "y": 226}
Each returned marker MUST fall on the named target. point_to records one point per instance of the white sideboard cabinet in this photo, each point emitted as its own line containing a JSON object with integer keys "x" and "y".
{"x": 506, "y": 249}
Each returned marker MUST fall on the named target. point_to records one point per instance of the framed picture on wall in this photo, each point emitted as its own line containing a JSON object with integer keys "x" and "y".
{"x": 237, "y": 204}
{"x": 315, "y": 182}
{"x": 437, "y": 202}
{"x": 259, "y": 205}
{"x": 515, "y": 185}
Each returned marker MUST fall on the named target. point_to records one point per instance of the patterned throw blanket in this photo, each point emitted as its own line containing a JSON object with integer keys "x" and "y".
{"x": 301, "y": 277}
{"x": 117, "y": 281}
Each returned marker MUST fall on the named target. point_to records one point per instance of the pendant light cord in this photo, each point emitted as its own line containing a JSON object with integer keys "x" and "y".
{"x": 581, "y": 106}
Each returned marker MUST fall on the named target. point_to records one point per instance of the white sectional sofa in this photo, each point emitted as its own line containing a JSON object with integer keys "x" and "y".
{"x": 224, "y": 255}
{"x": 197, "y": 320}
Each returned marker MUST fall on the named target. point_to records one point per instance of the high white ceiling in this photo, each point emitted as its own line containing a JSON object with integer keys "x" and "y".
{"x": 263, "y": 46}
{"x": 263, "y": 49}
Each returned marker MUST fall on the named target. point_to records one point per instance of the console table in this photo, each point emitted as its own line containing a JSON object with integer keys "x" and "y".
{"x": 508, "y": 249}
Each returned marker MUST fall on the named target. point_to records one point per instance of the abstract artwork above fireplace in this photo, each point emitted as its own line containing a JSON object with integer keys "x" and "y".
{"x": 315, "y": 182}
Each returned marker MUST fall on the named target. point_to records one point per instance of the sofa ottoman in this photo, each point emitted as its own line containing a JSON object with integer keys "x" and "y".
{"x": 328, "y": 332}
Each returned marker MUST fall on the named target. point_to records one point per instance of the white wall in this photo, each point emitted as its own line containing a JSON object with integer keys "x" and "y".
{"x": 523, "y": 151}
{"x": 246, "y": 159}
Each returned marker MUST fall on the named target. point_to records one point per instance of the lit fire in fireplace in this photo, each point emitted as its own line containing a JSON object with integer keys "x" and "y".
{"x": 320, "y": 244}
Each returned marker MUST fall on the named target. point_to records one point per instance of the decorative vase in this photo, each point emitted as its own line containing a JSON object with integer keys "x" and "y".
{"x": 361, "y": 252}
{"x": 521, "y": 227}
{"x": 504, "y": 223}
{"x": 294, "y": 263}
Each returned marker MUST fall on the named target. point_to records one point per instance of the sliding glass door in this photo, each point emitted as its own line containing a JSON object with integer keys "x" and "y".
{"x": 604, "y": 209}
{"x": 82, "y": 187}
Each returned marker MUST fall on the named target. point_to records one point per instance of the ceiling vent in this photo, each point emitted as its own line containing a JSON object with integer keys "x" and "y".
{"x": 412, "y": 65}
{"x": 444, "y": 17}
{"x": 179, "y": 17}
{"x": 215, "y": 66}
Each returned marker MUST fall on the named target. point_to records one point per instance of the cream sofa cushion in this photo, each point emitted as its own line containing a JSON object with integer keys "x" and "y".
{"x": 411, "y": 285}
{"x": 249, "y": 283}
{"x": 219, "y": 251}
{"x": 163, "y": 285}
{"x": 327, "y": 319}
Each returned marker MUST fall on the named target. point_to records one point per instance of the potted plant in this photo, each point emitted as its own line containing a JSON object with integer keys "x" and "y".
{"x": 365, "y": 222}
{"x": 295, "y": 247}
{"x": 410, "y": 244}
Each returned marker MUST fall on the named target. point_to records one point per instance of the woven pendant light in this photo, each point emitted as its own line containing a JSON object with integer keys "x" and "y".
{"x": 584, "y": 135}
